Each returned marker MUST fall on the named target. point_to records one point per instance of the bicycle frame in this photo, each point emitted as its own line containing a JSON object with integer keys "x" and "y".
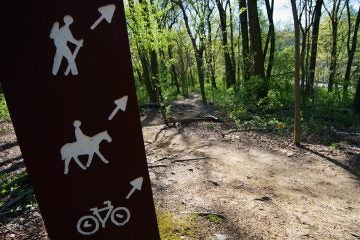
{"x": 96, "y": 212}
{"x": 89, "y": 224}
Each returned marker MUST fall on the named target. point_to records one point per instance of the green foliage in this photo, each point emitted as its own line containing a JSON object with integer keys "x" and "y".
{"x": 172, "y": 227}
{"x": 214, "y": 218}
{"x": 335, "y": 145}
{"x": 163, "y": 29}
{"x": 322, "y": 122}
{"x": 326, "y": 114}
{"x": 251, "y": 88}
{"x": 13, "y": 187}
{"x": 282, "y": 80}
{"x": 142, "y": 95}
{"x": 12, "y": 184}
{"x": 4, "y": 113}
{"x": 330, "y": 99}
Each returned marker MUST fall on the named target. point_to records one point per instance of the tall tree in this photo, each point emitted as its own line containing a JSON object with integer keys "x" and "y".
{"x": 229, "y": 68}
{"x": 351, "y": 47}
{"x": 334, "y": 11}
{"x": 154, "y": 63}
{"x": 297, "y": 127}
{"x": 314, "y": 46}
{"x": 357, "y": 97}
{"x": 305, "y": 22}
{"x": 270, "y": 38}
{"x": 170, "y": 20}
{"x": 137, "y": 22}
{"x": 197, "y": 38}
{"x": 245, "y": 39}
{"x": 183, "y": 63}
{"x": 232, "y": 45}
{"x": 174, "y": 75}
{"x": 210, "y": 51}
{"x": 256, "y": 50}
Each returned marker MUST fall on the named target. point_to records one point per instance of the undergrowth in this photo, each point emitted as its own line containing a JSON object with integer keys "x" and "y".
{"x": 322, "y": 118}
{"x": 4, "y": 113}
{"x": 15, "y": 188}
{"x": 173, "y": 227}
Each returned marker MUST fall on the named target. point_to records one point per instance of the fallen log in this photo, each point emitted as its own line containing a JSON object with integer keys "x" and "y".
{"x": 15, "y": 200}
{"x": 205, "y": 214}
{"x": 161, "y": 159}
{"x": 171, "y": 122}
{"x": 156, "y": 166}
{"x": 189, "y": 159}
{"x": 150, "y": 105}
{"x": 207, "y": 118}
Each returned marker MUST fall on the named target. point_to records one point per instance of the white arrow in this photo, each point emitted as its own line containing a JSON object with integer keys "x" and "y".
{"x": 120, "y": 105}
{"x": 136, "y": 184}
{"x": 107, "y": 13}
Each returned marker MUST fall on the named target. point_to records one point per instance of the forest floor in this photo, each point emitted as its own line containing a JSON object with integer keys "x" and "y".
{"x": 235, "y": 184}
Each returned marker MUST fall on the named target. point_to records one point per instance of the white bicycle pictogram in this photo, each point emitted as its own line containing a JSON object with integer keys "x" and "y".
{"x": 89, "y": 224}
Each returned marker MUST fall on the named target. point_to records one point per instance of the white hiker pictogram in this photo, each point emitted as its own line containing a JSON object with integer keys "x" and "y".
{"x": 84, "y": 145}
{"x": 62, "y": 36}
{"x": 88, "y": 224}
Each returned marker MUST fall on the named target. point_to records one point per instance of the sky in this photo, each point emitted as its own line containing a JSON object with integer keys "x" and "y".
{"x": 283, "y": 13}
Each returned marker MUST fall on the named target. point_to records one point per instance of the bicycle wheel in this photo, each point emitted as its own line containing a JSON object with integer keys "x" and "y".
{"x": 87, "y": 225}
{"x": 120, "y": 216}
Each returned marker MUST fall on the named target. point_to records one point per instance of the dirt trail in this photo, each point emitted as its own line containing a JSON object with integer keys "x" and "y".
{"x": 263, "y": 186}
{"x": 263, "y": 193}
{"x": 190, "y": 107}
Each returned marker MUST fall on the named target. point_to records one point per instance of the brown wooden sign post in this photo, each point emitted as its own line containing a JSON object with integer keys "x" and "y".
{"x": 71, "y": 94}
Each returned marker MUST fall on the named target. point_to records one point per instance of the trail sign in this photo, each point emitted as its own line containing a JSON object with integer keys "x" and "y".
{"x": 64, "y": 71}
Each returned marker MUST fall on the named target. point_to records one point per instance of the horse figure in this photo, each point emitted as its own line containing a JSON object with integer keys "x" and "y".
{"x": 89, "y": 147}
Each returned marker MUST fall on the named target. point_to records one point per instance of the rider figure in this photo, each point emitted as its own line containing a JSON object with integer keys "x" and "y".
{"x": 79, "y": 135}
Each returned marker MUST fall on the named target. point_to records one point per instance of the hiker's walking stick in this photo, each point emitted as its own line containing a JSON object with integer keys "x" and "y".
{"x": 74, "y": 55}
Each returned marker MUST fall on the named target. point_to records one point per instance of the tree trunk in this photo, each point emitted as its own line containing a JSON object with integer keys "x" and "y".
{"x": 307, "y": 61}
{"x": 145, "y": 65}
{"x": 302, "y": 59}
{"x": 297, "y": 127}
{"x": 147, "y": 79}
{"x": 157, "y": 83}
{"x": 200, "y": 70}
{"x": 139, "y": 75}
{"x": 245, "y": 39}
{"x": 333, "y": 57}
{"x": 351, "y": 53}
{"x": 256, "y": 49}
{"x": 314, "y": 45}
{"x": 335, "y": 16}
{"x": 357, "y": 97}
{"x": 210, "y": 52}
{"x": 228, "y": 63}
{"x": 183, "y": 70}
{"x": 154, "y": 64}
{"x": 232, "y": 47}
{"x": 271, "y": 37}
{"x": 198, "y": 50}
{"x": 174, "y": 77}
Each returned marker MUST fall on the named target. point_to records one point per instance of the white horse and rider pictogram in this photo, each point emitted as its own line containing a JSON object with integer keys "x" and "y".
{"x": 84, "y": 145}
